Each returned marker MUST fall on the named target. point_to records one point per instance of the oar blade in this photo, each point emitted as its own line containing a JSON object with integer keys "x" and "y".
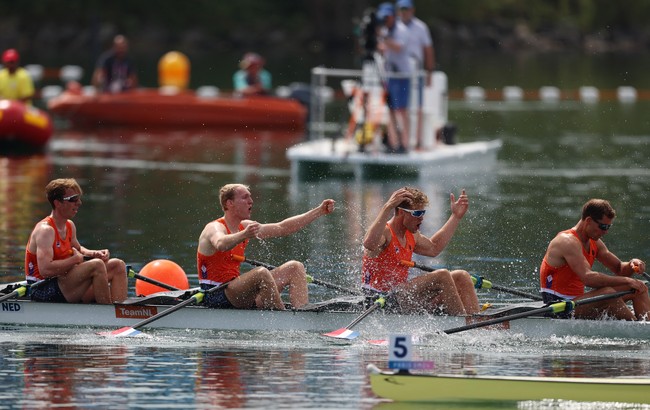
{"x": 126, "y": 331}
{"x": 343, "y": 333}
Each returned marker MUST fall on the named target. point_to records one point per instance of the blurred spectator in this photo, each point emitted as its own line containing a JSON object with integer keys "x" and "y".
{"x": 252, "y": 78}
{"x": 115, "y": 72}
{"x": 420, "y": 49}
{"x": 15, "y": 81}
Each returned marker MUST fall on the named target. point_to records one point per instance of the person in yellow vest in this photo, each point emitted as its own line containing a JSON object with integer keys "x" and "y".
{"x": 15, "y": 81}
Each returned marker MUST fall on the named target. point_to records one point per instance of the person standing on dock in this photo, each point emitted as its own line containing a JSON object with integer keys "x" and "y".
{"x": 393, "y": 43}
{"x": 567, "y": 268}
{"x": 226, "y": 238}
{"x": 395, "y": 236}
{"x": 420, "y": 50}
{"x": 115, "y": 72}
{"x": 15, "y": 81}
{"x": 53, "y": 253}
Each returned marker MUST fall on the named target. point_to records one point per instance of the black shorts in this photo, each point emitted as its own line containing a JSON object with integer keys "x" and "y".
{"x": 47, "y": 292}
{"x": 216, "y": 299}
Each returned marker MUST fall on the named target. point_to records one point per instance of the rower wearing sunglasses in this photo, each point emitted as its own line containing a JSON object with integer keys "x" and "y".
{"x": 395, "y": 236}
{"x": 54, "y": 253}
{"x": 567, "y": 269}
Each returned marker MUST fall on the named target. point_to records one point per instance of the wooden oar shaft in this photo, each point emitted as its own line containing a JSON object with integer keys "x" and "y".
{"x": 309, "y": 277}
{"x": 554, "y": 308}
{"x": 136, "y": 275}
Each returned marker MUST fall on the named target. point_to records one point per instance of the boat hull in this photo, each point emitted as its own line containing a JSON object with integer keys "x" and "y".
{"x": 149, "y": 107}
{"x": 449, "y": 388}
{"x": 376, "y": 326}
{"x": 23, "y": 126}
{"x": 340, "y": 158}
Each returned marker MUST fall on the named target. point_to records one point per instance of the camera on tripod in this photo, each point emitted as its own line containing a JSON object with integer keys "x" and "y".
{"x": 368, "y": 31}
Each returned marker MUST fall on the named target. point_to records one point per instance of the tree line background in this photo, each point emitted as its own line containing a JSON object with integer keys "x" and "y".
{"x": 51, "y": 32}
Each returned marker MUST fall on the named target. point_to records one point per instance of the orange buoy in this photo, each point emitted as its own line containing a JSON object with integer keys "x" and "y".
{"x": 162, "y": 270}
{"x": 174, "y": 70}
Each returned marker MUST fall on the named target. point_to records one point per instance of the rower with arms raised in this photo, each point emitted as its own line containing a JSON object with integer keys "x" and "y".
{"x": 228, "y": 236}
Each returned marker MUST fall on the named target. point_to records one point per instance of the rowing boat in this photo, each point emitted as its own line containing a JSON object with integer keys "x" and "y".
{"x": 317, "y": 317}
{"x": 455, "y": 387}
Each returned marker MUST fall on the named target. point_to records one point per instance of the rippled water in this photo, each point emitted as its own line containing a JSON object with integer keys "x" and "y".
{"x": 149, "y": 193}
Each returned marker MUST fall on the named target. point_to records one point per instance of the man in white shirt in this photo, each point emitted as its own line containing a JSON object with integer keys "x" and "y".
{"x": 393, "y": 43}
{"x": 420, "y": 49}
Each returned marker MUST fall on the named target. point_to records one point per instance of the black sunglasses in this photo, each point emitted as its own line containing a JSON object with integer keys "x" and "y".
{"x": 602, "y": 226}
{"x": 71, "y": 198}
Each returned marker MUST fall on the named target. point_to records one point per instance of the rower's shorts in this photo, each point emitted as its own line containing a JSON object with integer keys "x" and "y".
{"x": 48, "y": 292}
{"x": 216, "y": 299}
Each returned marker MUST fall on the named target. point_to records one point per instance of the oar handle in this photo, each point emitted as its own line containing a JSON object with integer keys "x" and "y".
{"x": 558, "y": 307}
{"x": 479, "y": 282}
{"x": 240, "y": 258}
{"x": 638, "y": 272}
{"x": 490, "y": 285}
{"x": 315, "y": 281}
{"x": 22, "y": 290}
{"x": 195, "y": 298}
{"x": 310, "y": 278}
{"x": 133, "y": 274}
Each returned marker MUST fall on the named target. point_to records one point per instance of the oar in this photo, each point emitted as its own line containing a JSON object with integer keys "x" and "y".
{"x": 310, "y": 278}
{"x": 479, "y": 282}
{"x": 195, "y": 298}
{"x": 133, "y": 274}
{"x": 347, "y": 332}
{"x": 558, "y": 307}
{"x": 637, "y": 271}
{"x": 21, "y": 290}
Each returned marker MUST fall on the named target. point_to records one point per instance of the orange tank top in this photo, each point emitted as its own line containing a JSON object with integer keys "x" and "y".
{"x": 62, "y": 250}
{"x": 562, "y": 281}
{"x": 220, "y": 267}
{"x": 385, "y": 271}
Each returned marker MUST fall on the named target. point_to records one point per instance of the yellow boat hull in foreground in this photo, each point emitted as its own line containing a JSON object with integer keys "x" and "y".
{"x": 448, "y": 388}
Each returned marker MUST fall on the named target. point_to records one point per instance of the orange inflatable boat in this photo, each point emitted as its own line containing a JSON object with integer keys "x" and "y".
{"x": 152, "y": 108}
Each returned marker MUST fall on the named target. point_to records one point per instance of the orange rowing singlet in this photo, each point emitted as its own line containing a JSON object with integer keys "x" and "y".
{"x": 386, "y": 271}
{"x": 220, "y": 267}
{"x": 62, "y": 250}
{"x": 562, "y": 281}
